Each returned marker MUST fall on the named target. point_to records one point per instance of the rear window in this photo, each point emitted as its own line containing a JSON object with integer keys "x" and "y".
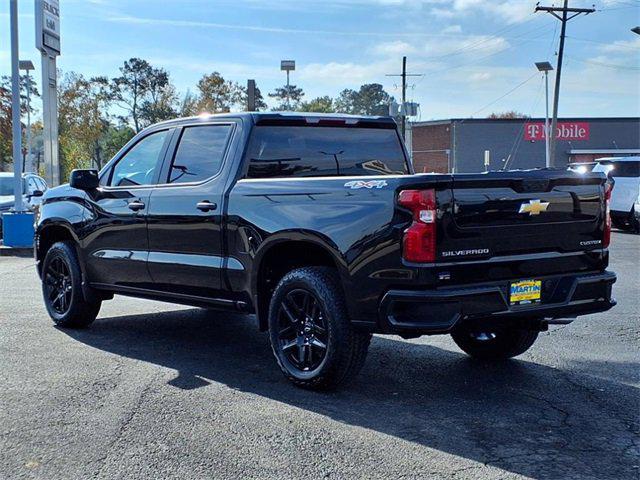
{"x": 200, "y": 153}
{"x": 283, "y": 151}
{"x": 619, "y": 169}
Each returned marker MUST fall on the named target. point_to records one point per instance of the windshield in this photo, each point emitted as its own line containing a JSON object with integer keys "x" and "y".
{"x": 6, "y": 186}
{"x": 619, "y": 169}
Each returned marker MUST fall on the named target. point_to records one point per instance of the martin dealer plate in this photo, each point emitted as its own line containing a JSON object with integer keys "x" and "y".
{"x": 525, "y": 292}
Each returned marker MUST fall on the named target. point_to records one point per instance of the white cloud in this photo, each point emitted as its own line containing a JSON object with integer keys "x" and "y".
{"x": 393, "y": 48}
{"x": 480, "y": 76}
{"x": 335, "y": 73}
{"x": 452, "y": 29}
{"x": 623, "y": 46}
{"x": 509, "y": 11}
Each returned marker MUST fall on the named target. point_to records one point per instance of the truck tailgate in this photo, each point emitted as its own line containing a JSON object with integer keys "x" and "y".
{"x": 512, "y": 213}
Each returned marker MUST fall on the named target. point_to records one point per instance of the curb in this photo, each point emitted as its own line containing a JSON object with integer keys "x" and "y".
{"x": 16, "y": 251}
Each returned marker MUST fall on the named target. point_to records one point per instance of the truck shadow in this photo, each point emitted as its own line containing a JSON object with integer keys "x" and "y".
{"x": 519, "y": 416}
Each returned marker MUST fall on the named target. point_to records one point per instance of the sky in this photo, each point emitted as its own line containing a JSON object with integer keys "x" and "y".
{"x": 474, "y": 57}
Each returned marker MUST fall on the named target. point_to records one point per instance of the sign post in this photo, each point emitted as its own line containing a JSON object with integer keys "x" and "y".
{"x": 15, "y": 110}
{"x": 288, "y": 66}
{"x": 47, "y": 14}
{"x": 17, "y": 225}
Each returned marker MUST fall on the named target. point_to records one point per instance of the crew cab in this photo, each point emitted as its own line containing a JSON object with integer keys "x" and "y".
{"x": 318, "y": 226}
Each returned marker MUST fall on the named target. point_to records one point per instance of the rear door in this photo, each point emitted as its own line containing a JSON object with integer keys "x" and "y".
{"x": 185, "y": 217}
{"x": 117, "y": 245}
{"x": 512, "y": 213}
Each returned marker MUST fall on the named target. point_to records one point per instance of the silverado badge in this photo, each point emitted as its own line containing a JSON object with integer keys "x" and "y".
{"x": 533, "y": 207}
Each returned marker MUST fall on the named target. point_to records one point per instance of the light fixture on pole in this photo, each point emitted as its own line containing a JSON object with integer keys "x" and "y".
{"x": 27, "y": 65}
{"x": 636, "y": 30}
{"x": 546, "y": 67}
{"x": 288, "y": 66}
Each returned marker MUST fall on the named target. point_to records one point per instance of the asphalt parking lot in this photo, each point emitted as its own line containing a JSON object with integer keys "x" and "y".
{"x": 155, "y": 390}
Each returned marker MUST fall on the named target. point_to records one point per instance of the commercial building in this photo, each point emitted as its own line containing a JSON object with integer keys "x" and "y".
{"x": 463, "y": 144}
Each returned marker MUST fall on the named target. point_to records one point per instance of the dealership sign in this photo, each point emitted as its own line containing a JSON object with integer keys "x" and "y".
{"x": 564, "y": 131}
{"x": 48, "y": 26}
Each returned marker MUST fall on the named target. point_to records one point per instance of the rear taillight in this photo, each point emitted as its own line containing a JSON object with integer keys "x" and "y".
{"x": 606, "y": 237}
{"x": 419, "y": 243}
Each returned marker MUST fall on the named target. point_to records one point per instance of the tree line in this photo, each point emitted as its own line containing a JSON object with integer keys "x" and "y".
{"x": 98, "y": 115}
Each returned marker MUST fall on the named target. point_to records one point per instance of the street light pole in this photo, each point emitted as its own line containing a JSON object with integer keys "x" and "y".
{"x": 28, "y": 66}
{"x": 15, "y": 109}
{"x": 546, "y": 67}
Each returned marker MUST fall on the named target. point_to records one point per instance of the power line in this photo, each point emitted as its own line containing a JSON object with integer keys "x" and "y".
{"x": 505, "y": 94}
{"x": 630, "y": 47}
{"x": 603, "y": 64}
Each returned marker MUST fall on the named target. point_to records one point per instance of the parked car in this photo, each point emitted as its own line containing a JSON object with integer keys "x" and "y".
{"x": 33, "y": 187}
{"x": 581, "y": 167}
{"x": 317, "y": 224}
{"x": 625, "y": 198}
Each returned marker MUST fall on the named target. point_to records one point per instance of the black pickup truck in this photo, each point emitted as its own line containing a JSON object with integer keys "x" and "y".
{"x": 318, "y": 225}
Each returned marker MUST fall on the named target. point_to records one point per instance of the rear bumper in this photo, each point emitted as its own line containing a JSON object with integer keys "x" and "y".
{"x": 564, "y": 297}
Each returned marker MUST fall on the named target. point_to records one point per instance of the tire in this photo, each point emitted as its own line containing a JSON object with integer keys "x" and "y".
{"x": 62, "y": 288}
{"x": 307, "y": 310}
{"x": 619, "y": 224}
{"x": 498, "y": 345}
{"x": 634, "y": 221}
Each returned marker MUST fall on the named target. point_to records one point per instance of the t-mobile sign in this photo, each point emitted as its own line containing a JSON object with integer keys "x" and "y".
{"x": 564, "y": 131}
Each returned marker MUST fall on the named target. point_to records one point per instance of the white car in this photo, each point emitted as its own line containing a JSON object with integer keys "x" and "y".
{"x": 625, "y": 198}
{"x": 33, "y": 187}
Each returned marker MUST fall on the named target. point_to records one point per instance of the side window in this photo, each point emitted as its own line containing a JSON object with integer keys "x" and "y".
{"x": 32, "y": 186}
{"x": 139, "y": 164}
{"x": 42, "y": 184}
{"x": 199, "y": 154}
{"x": 626, "y": 169}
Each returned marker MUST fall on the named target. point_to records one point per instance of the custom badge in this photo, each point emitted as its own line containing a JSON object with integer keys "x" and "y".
{"x": 357, "y": 184}
{"x": 533, "y": 207}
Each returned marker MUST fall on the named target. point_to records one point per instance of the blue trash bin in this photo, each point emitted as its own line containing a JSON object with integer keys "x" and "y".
{"x": 17, "y": 229}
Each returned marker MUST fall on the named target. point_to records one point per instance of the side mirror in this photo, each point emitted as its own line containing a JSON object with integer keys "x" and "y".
{"x": 84, "y": 179}
{"x": 36, "y": 193}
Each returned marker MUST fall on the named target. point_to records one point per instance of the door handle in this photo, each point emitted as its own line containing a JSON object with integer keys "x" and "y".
{"x": 206, "y": 206}
{"x": 135, "y": 205}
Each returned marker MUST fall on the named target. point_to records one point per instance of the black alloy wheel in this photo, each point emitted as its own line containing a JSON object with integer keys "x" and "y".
{"x": 302, "y": 330}
{"x": 68, "y": 303}
{"x": 311, "y": 335}
{"x": 58, "y": 285}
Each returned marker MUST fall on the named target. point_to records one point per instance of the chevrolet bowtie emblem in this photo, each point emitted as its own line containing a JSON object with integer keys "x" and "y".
{"x": 533, "y": 207}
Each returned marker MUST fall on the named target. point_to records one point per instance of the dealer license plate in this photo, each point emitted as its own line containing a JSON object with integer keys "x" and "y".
{"x": 525, "y": 292}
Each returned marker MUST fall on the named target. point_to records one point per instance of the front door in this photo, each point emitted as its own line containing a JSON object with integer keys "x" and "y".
{"x": 185, "y": 216}
{"x": 117, "y": 245}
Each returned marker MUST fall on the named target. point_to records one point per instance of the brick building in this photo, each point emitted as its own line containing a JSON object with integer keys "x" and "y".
{"x": 459, "y": 144}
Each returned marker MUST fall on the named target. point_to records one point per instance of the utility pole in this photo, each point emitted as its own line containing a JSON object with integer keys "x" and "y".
{"x": 403, "y": 106}
{"x": 564, "y": 18}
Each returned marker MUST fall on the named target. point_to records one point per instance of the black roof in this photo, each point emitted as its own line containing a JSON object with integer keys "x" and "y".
{"x": 291, "y": 118}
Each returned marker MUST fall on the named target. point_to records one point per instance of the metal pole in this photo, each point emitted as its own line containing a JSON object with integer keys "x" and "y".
{"x": 15, "y": 109}
{"x": 404, "y": 95}
{"x": 29, "y": 157}
{"x": 288, "y": 99}
{"x": 546, "y": 118}
{"x": 556, "y": 91}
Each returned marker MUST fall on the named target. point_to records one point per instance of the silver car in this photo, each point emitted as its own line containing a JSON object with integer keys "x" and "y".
{"x": 33, "y": 187}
